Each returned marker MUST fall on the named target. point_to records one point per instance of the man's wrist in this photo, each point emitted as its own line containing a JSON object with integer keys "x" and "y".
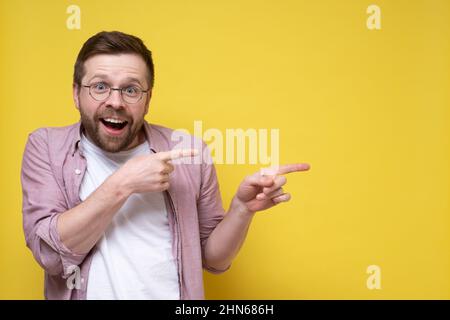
{"x": 239, "y": 207}
{"x": 118, "y": 186}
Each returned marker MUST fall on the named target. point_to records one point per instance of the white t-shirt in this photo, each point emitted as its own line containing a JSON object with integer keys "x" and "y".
{"x": 134, "y": 257}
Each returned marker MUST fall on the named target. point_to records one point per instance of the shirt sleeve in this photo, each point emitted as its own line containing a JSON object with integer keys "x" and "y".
{"x": 43, "y": 201}
{"x": 209, "y": 206}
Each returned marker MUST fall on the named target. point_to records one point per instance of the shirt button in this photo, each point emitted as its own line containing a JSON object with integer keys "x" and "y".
{"x": 77, "y": 171}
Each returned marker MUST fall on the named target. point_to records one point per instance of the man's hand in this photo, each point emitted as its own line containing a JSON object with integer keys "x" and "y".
{"x": 260, "y": 192}
{"x": 150, "y": 173}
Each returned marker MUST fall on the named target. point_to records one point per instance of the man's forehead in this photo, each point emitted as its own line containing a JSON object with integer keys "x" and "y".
{"x": 122, "y": 67}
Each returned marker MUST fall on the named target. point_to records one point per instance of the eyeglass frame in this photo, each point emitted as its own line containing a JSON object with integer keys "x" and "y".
{"x": 117, "y": 89}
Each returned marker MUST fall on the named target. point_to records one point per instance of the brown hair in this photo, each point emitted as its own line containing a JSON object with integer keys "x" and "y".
{"x": 113, "y": 42}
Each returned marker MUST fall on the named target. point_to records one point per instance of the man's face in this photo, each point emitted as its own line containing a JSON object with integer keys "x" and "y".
{"x": 113, "y": 124}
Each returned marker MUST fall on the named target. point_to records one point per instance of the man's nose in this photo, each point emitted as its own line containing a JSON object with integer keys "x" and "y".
{"x": 115, "y": 99}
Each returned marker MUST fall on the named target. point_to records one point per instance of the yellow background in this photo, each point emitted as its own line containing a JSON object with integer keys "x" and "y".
{"x": 368, "y": 109}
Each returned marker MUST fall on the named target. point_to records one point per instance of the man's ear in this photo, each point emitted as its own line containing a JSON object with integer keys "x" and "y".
{"x": 76, "y": 96}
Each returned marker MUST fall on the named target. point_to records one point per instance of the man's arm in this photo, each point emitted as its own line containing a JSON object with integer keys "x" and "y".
{"x": 255, "y": 193}
{"x": 82, "y": 226}
{"x": 227, "y": 238}
{"x": 44, "y": 200}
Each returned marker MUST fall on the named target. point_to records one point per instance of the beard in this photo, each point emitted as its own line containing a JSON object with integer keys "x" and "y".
{"x": 104, "y": 140}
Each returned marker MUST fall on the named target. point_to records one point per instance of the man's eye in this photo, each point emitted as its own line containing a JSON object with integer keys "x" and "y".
{"x": 131, "y": 91}
{"x": 100, "y": 86}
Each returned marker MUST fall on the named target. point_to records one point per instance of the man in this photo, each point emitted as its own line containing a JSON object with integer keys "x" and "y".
{"x": 107, "y": 212}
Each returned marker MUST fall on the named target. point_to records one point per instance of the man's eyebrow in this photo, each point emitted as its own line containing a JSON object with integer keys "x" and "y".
{"x": 105, "y": 77}
{"x": 99, "y": 75}
{"x": 132, "y": 79}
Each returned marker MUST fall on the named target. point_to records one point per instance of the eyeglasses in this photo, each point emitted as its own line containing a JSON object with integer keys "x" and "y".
{"x": 101, "y": 91}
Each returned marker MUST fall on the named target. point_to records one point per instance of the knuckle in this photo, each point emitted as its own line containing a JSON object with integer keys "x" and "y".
{"x": 165, "y": 185}
{"x": 161, "y": 177}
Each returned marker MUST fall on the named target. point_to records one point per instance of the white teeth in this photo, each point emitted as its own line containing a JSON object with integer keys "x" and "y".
{"x": 113, "y": 120}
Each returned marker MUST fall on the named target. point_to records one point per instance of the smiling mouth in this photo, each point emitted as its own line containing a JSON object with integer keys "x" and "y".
{"x": 113, "y": 126}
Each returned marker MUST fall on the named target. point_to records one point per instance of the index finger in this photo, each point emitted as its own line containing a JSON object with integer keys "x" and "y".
{"x": 295, "y": 167}
{"x": 177, "y": 153}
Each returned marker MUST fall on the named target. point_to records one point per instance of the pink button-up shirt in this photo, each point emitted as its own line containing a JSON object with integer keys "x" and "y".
{"x": 52, "y": 170}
